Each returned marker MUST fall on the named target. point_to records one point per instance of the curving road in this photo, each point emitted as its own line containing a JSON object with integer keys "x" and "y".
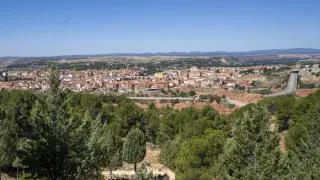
{"x": 290, "y": 89}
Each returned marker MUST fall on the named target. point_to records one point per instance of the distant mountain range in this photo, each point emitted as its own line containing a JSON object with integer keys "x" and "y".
{"x": 192, "y": 53}
{"x": 219, "y": 53}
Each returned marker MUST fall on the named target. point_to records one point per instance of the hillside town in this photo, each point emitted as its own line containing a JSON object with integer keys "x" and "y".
{"x": 130, "y": 80}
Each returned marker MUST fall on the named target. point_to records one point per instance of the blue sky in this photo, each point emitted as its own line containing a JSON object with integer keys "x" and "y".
{"x": 62, "y": 27}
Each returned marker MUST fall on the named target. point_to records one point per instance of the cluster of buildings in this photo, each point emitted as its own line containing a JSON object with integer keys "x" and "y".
{"x": 129, "y": 80}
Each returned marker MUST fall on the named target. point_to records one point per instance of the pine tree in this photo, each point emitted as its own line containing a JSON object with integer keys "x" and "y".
{"x": 197, "y": 155}
{"x": 304, "y": 147}
{"x": 59, "y": 146}
{"x": 253, "y": 152}
{"x": 7, "y": 143}
{"x": 169, "y": 152}
{"x": 15, "y": 109}
{"x": 128, "y": 116}
{"x": 134, "y": 147}
{"x": 114, "y": 153}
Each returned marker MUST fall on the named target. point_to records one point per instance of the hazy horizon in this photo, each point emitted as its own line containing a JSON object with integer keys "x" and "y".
{"x": 162, "y": 52}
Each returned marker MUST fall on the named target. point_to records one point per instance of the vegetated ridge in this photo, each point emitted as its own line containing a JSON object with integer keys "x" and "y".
{"x": 191, "y": 53}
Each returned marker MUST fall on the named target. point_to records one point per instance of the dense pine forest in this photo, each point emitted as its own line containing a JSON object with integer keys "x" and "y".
{"x": 62, "y": 135}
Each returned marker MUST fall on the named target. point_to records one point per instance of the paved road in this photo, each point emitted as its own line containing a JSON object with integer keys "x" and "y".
{"x": 290, "y": 89}
{"x": 159, "y": 98}
{"x": 235, "y": 102}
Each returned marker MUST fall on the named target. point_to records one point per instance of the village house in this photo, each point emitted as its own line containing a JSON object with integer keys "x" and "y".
{"x": 315, "y": 68}
{"x": 160, "y": 85}
{"x": 6, "y": 85}
{"x": 206, "y": 83}
{"x": 194, "y": 72}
